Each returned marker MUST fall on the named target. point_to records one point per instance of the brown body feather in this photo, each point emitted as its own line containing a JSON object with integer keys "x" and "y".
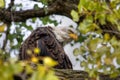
{"x": 44, "y": 38}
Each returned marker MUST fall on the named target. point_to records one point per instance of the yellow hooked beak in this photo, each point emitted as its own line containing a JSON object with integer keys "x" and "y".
{"x": 73, "y": 36}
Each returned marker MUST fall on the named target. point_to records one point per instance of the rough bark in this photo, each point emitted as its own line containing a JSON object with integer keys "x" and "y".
{"x": 80, "y": 75}
{"x": 61, "y": 7}
{"x": 71, "y": 74}
{"x": 68, "y": 74}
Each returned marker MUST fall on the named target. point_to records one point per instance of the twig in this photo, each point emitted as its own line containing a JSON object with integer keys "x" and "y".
{"x": 6, "y": 37}
{"x": 8, "y": 25}
{"x": 111, "y": 31}
{"x": 11, "y": 5}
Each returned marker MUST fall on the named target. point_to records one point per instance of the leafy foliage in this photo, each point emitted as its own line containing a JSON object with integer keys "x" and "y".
{"x": 12, "y": 67}
{"x": 2, "y": 27}
{"x": 47, "y": 19}
{"x": 100, "y": 52}
{"x": 2, "y": 3}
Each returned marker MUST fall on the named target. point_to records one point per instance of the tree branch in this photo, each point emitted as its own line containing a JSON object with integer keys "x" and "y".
{"x": 59, "y": 7}
{"x": 68, "y": 74}
{"x": 10, "y": 5}
{"x": 6, "y": 37}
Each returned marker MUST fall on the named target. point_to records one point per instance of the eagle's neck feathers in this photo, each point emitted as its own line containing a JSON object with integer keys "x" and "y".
{"x": 61, "y": 34}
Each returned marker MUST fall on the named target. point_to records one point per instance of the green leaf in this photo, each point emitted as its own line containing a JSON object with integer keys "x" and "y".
{"x": 76, "y": 52}
{"x": 87, "y": 25}
{"x": 33, "y": 20}
{"x": 83, "y": 64}
{"x": 17, "y": 68}
{"x": 82, "y": 4}
{"x": 45, "y": 2}
{"x": 51, "y": 76}
{"x": 102, "y": 18}
{"x": 114, "y": 41}
{"x": 93, "y": 73}
{"x": 118, "y": 60}
{"x": 83, "y": 28}
{"x": 29, "y": 27}
{"x": 82, "y": 50}
{"x": 11, "y": 37}
{"x": 75, "y": 15}
{"x": 114, "y": 75}
{"x": 47, "y": 19}
{"x": 36, "y": 7}
{"x": 93, "y": 44}
{"x": 104, "y": 50}
{"x": 54, "y": 22}
{"x": 2, "y": 3}
{"x": 111, "y": 18}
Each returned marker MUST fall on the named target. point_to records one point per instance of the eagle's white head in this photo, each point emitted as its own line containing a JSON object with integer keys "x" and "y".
{"x": 65, "y": 34}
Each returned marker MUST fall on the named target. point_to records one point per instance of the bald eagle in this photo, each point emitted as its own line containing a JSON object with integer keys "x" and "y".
{"x": 50, "y": 41}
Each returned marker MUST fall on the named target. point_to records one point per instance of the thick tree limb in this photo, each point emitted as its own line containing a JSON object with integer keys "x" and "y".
{"x": 68, "y": 74}
{"x": 80, "y": 75}
{"x": 58, "y": 7}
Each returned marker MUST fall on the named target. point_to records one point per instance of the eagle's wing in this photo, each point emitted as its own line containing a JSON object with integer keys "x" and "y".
{"x": 45, "y": 39}
{"x": 30, "y": 43}
{"x": 53, "y": 49}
